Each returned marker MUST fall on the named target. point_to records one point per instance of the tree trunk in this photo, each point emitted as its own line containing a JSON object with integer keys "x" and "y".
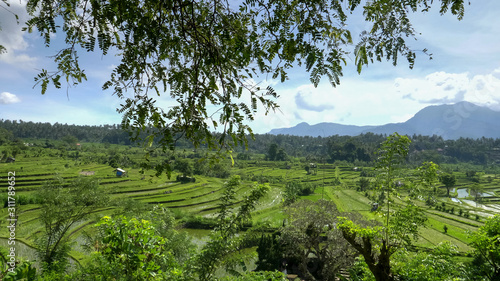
{"x": 380, "y": 266}
{"x": 383, "y": 266}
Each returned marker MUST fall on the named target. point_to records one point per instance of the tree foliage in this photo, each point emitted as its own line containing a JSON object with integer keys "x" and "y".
{"x": 438, "y": 264}
{"x": 363, "y": 184}
{"x": 224, "y": 244}
{"x": 391, "y": 155}
{"x": 311, "y": 239}
{"x": 377, "y": 244}
{"x": 15, "y": 270}
{"x": 184, "y": 167}
{"x": 258, "y": 276}
{"x": 449, "y": 181}
{"x": 464, "y": 150}
{"x": 209, "y": 56}
{"x": 5, "y": 136}
{"x": 61, "y": 207}
{"x": 294, "y": 189}
{"x": 486, "y": 244}
{"x": 424, "y": 185}
{"x": 275, "y": 153}
{"x": 347, "y": 151}
{"x": 400, "y": 225}
{"x": 476, "y": 190}
{"x": 133, "y": 249}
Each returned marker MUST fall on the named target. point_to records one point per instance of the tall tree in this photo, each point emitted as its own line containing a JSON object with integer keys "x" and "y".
{"x": 272, "y": 152}
{"x": 281, "y": 155}
{"x": 203, "y": 53}
{"x": 425, "y": 183}
{"x": 476, "y": 190}
{"x": 378, "y": 244}
{"x": 70, "y": 140}
{"x": 60, "y": 209}
{"x": 313, "y": 240}
{"x": 449, "y": 181}
{"x": 5, "y": 136}
{"x": 184, "y": 167}
{"x": 224, "y": 241}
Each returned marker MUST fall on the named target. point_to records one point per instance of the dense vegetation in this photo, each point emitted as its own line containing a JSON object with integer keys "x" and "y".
{"x": 351, "y": 149}
{"x": 309, "y": 211}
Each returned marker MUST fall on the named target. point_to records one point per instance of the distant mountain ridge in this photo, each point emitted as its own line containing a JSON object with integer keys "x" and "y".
{"x": 463, "y": 119}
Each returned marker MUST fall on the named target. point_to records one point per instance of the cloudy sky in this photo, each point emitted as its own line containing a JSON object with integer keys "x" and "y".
{"x": 465, "y": 67}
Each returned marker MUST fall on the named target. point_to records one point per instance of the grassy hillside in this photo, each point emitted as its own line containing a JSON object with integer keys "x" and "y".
{"x": 338, "y": 183}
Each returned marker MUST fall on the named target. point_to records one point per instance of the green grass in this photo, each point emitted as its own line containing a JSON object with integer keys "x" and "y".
{"x": 202, "y": 197}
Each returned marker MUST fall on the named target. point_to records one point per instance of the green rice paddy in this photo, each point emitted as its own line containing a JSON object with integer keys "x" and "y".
{"x": 200, "y": 198}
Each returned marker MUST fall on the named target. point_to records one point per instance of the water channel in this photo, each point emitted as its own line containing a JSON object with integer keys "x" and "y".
{"x": 463, "y": 193}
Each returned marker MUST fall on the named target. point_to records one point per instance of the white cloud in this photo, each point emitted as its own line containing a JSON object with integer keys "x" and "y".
{"x": 438, "y": 87}
{"x": 442, "y": 87}
{"x": 12, "y": 38}
{"x": 310, "y": 99}
{"x": 22, "y": 61}
{"x": 8, "y": 98}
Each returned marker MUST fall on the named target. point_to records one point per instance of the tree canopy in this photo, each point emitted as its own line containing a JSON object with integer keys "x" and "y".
{"x": 486, "y": 244}
{"x": 213, "y": 54}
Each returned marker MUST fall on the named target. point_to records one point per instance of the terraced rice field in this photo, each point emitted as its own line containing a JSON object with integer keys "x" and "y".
{"x": 201, "y": 197}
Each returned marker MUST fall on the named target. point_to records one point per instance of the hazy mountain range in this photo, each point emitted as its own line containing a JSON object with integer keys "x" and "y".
{"x": 462, "y": 119}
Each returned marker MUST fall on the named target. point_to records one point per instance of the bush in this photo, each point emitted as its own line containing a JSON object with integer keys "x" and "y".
{"x": 307, "y": 189}
{"x": 184, "y": 179}
{"x": 200, "y": 167}
{"x": 294, "y": 189}
{"x": 244, "y": 156}
{"x": 19, "y": 199}
{"x": 219, "y": 170}
{"x": 130, "y": 249}
{"x": 198, "y": 222}
{"x": 365, "y": 174}
{"x": 269, "y": 252}
{"x": 363, "y": 184}
{"x": 23, "y": 270}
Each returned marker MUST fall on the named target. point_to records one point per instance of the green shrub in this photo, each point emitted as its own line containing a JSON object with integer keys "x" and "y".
{"x": 198, "y": 222}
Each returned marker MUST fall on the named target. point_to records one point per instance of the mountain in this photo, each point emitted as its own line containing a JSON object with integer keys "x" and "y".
{"x": 462, "y": 119}
{"x": 322, "y": 129}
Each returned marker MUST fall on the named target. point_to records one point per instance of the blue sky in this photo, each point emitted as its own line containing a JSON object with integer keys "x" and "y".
{"x": 465, "y": 66}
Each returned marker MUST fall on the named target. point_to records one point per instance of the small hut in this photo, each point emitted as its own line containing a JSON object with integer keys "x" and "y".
{"x": 11, "y": 160}
{"x": 120, "y": 172}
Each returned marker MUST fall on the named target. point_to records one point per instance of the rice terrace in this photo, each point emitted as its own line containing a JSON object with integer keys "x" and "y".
{"x": 309, "y": 172}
